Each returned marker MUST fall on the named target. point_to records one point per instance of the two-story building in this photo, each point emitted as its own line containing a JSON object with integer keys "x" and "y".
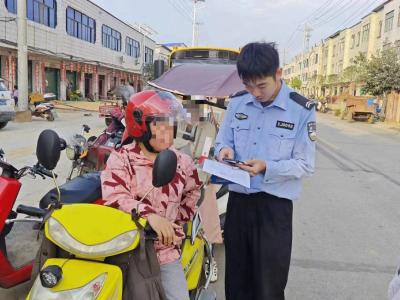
{"x": 73, "y": 45}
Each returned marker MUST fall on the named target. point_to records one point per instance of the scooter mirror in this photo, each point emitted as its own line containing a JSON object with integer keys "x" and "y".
{"x": 48, "y": 149}
{"x": 164, "y": 169}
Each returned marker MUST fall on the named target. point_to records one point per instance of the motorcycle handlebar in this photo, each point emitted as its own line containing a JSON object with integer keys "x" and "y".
{"x": 42, "y": 171}
{"x": 31, "y": 211}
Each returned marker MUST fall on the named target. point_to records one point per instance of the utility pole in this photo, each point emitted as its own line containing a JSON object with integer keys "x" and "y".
{"x": 284, "y": 56}
{"x": 146, "y": 31}
{"x": 22, "y": 60}
{"x": 195, "y": 24}
{"x": 306, "y": 46}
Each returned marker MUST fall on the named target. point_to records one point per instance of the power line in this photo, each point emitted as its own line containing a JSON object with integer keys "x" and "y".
{"x": 338, "y": 13}
{"x": 364, "y": 10}
{"x": 334, "y": 7}
{"x": 317, "y": 11}
{"x": 184, "y": 6}
{"x": 315, "y": 15}
{"x": 180, "y": 11}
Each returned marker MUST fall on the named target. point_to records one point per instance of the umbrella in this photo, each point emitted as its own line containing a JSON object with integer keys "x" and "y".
{"x": 209, "y": 80}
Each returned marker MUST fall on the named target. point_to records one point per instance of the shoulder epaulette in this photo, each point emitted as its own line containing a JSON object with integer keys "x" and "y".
{"x": 237, "y": 94}
{"x": 303, "y": 101}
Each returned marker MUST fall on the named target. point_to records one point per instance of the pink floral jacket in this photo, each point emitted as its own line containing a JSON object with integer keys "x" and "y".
{"x": 127, "y": 178}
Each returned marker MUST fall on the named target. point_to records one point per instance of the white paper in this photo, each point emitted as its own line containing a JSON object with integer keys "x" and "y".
{"x": 227, "y": 172}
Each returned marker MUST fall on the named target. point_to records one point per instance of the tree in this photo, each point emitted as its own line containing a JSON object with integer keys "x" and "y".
{"x": 383, "y": 73}
{"x": 333, "y": 78}
{"x": 148, "y": 72}
{"x": 296, "y": 83}
{"x": 349, "y": 74}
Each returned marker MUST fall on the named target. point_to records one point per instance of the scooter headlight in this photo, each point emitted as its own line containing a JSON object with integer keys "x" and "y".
{"x": 72, "y": 152}
{"x": 88, "y": 292}
{"x": 50, "y": 276}
{"x": 67, "y": 242}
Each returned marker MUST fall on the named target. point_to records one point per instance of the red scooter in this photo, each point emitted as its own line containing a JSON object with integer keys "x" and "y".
{"x": 10, "y": 186}
{"x": 82, "y": 189}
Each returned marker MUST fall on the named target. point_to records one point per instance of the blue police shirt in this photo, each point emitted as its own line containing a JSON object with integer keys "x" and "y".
{"x": 282, "y": 134}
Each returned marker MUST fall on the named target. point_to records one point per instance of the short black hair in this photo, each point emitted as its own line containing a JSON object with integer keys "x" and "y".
{"x": 257, "y": 60}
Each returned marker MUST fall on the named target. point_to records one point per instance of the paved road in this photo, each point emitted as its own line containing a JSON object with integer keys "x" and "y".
{"x": 346, "y": 242}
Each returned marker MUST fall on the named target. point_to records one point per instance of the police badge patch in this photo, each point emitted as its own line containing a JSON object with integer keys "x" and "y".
{"x": 312, "y": 131}
{"x": 284, "y": 125}
{"x": 241, "y": 116}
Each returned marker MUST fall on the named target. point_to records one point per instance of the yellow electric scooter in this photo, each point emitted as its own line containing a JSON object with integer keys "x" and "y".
{"x": 80, "y": 230}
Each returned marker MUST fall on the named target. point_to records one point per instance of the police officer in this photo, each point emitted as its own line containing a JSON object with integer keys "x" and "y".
{"x": 272, "y": 129}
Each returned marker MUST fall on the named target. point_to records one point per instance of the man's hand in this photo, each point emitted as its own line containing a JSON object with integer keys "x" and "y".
{"x": 165, "y": 229}
{"x": 254, "y": 167}
{"x": 225, "y": 153}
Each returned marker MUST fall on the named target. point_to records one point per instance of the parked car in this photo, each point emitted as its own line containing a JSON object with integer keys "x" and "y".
{"x": 7, "y": 112}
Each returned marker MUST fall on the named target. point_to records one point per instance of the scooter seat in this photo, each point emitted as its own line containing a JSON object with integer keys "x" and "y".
{"x": 82, "y": 189}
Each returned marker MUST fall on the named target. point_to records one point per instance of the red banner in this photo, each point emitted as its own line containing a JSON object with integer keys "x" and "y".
{"x": 13, "y": 65}
{"x": 44, "y": 85}
{"x": 78, "y": 67}
{"x": 37, "y": 74}
{"x": 7, "y": 73}
{"x": 62, "y": 71}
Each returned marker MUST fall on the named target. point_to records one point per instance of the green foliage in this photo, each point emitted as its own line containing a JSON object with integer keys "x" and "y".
{"x": 333, "y": 78}
{"x": 296, "y": 83}
{"x": 148, "y": 72}
{"x": 383, "y": 73}
{"x": 75, "y": 96}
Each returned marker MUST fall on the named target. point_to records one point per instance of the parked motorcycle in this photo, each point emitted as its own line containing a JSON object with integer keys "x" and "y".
{"x": 322, "y": 107}
{"x": 11, "y": 272}
{"x": 41, "y": 107}
{"x": 91, "y": 154}
{"x": 84, "y": 273}
{"x": 43, "y": 110}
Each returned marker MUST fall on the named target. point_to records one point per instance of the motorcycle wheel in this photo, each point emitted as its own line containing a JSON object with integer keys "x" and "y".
{"x": 371, "y": 119}
{"x": 3, "y": 124}
{"x": 50, "y": 116}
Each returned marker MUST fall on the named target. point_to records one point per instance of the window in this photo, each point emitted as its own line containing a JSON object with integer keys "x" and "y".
{"x": 148, "y": 55}
{"x": 379, "y": 29}
{"x": 132, "y": 47}
{"x": 389, "y": 21}
{"x": 316, "y": 59}
{"x": 358, "y": 39}
{"x": 334, "y": 51}
{"x": 341, "y": 46}
{"x": 39, "y": 11}
{"x": 11, "y": 6}
{"x": 80, "y": 25}
{"x": 353, "y": 41}
{"x": 365, "y": 33}
{"x": 111, "y": 38}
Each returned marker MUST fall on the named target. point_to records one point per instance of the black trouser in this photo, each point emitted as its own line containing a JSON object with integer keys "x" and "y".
{"x": 258, "y": 245}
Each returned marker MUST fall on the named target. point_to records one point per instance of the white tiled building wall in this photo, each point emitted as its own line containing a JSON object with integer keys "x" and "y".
{"x": 58, "y": 41}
